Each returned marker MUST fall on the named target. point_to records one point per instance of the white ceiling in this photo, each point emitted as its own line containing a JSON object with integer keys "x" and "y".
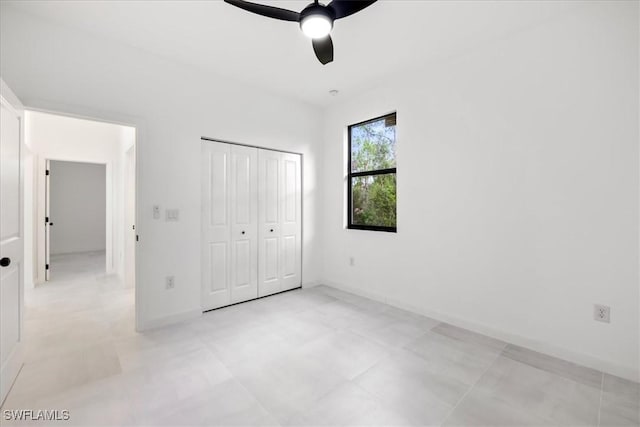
{"x": 388, "y": 37}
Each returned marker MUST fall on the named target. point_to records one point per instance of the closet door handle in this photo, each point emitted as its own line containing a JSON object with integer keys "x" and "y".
{"x": 242, "y": 231}
{"x": 4, "y": 262}
{"x": 271, "y": 230}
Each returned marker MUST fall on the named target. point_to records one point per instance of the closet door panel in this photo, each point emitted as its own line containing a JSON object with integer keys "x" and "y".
{"x": 242, "y": 265}
{"x": 219, "y": 261}
{"x": 291, "y": 221}
{"x": 269, "y": 206}
{"x": 242, "y": 165}
{"x": 270, "y": 194}
{"x": 271, "y": 254}
{"x": 289, "y": 258}
{"x": 244, "y": 222}
{"x": 215, "y": 225}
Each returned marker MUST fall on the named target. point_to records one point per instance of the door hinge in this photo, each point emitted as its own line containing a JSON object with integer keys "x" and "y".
{"x": 137, "y": 238}
{"x": 46, "y": 219}
{"x": 46, "y": 267}
{"x": 134, "y": 227}
{"x": 46, "y": 172}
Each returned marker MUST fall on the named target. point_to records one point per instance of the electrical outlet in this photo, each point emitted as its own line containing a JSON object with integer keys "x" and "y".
{"x": 156, "y": 212}
{"x": 169, "y": 282}
{"x": 352, "y": 261}
{"x": 602, "y": 313}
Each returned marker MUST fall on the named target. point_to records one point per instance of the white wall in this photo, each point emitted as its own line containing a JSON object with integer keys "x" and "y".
{"x": 77, "y": 206}
{"x": 517, "y": 189}
{"x": 172, "y": 106}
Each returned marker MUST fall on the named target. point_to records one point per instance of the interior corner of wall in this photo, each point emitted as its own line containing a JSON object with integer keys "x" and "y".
{"x": 310, "y": 284}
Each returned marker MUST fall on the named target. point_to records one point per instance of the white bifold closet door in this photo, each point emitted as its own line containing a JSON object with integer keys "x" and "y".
{"x": 279, "y": 222}
{"x": 251, "y": 207}
{"x": 230, "y": 224}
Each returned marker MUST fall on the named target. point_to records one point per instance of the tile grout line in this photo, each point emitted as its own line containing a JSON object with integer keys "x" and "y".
{"x": 601, "y": 394}
{"x": 473, "y": 385}
{"x": 258, "y": 401}
{"x": 234, "y": 376}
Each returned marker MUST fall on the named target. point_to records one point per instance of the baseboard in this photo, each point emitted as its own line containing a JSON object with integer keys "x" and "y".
{"x": 311, "y": 284}
{"x": 535, "y": 345}
{"x": 172, "y": 319}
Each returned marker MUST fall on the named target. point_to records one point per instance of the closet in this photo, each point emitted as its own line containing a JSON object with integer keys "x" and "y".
{"x": 251, "y": 223}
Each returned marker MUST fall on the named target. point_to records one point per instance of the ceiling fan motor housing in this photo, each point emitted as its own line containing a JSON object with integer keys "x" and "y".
{"x": 315, "y": 9}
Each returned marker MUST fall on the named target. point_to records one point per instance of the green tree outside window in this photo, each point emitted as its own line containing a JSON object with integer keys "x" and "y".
{"x": 372, "y": 174}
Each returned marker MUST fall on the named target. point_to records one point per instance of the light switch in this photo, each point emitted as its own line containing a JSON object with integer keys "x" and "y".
{"x": 156, "y": 212}
{"x": 172, "y": 214}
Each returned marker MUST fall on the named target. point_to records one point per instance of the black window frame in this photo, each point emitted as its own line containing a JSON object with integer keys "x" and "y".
{"x": 351, "y": 175}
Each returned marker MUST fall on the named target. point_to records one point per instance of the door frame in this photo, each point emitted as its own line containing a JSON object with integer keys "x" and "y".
{"x": 140, "y": 126}
{"x": 43, "y": 203}
{"x": 47, "y": 218}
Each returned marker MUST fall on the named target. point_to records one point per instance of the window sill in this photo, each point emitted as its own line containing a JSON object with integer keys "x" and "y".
{"x": 372, "y": 228}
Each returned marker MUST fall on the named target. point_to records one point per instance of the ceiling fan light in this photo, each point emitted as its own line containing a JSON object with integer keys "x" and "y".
{"x": 316, "y": 26}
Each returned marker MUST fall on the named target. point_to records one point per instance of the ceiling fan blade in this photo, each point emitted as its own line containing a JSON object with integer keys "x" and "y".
{"x": 323, "y": 49}
{"x": 264, "y": 10}
{"x": 344, "y": 8}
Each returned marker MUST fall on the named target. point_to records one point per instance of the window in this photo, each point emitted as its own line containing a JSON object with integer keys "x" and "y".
{"x": 371, "y": 174}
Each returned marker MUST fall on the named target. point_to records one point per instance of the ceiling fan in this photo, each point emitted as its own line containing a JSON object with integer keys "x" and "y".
{"x": 316, "y": 20}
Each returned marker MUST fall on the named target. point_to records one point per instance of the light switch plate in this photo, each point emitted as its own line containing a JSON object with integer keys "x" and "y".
{"x": 156, "y": 212}
{"x": 172, "y": 214}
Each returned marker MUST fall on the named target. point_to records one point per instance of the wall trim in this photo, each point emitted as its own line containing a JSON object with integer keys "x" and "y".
{"x": 522, "y": 341}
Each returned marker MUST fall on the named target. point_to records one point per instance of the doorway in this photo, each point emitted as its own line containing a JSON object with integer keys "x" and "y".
{"x": 83, "y": 194}
{"x": 72, "y": 145}
{"x": 75, "y": 219}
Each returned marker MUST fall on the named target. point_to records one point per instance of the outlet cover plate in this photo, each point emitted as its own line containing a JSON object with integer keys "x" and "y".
{"x": 602, "y": 313}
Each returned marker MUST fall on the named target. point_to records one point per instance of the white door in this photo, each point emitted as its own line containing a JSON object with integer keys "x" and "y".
{"x": 269, "y": 218}
{"x": 229, "y": 224}
{"x": 130, "y": 217}
{"x": 11, "y": 239}
{"x": 291, "y": 220}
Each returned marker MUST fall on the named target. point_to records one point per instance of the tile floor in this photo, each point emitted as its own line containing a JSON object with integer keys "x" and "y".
{"x": 303, "y": 358}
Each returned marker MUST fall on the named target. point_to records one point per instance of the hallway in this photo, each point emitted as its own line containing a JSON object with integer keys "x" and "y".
{"x": 71, "y": 325}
